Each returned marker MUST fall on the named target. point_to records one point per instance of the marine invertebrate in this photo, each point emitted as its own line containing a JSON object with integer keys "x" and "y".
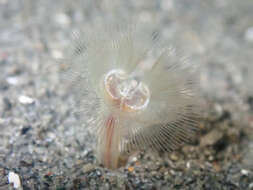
{"x": 142, "y": 94}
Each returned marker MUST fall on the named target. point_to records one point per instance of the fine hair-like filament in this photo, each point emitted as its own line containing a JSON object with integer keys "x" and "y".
{"x": 169, "y": 119}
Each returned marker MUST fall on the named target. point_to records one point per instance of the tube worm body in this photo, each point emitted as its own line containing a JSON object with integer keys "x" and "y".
{"x": 142, "y": 95}
{"x": 108, "y": 142}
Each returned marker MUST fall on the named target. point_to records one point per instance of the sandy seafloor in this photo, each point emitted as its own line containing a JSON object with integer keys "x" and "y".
{"x": 43, "y": 143}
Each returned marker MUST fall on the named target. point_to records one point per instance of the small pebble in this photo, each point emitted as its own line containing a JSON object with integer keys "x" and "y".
{"x": 56, "y": 54}
{"x": 14, "y": 179}
{"x": 188, "y": 165}
{"x": 174, "y": 156}
{"x": 25, "y": 129}
{"x": 134, "y": 159}
{"x": 88, "y": 167}
{"x": 25, "y": 99}
{"x": 219, "y": 110}
{"x": 13, "y": 80}
{"x": 244, "y": 172}
{"x": 131, "y": 169}
{"x": 62, "y": 19}
{"x": 98, "y": 173}
{"x": 249, "y": 34}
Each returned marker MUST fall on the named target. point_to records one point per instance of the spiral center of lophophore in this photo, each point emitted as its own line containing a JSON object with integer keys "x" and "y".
{"x": 126, "y": 91}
